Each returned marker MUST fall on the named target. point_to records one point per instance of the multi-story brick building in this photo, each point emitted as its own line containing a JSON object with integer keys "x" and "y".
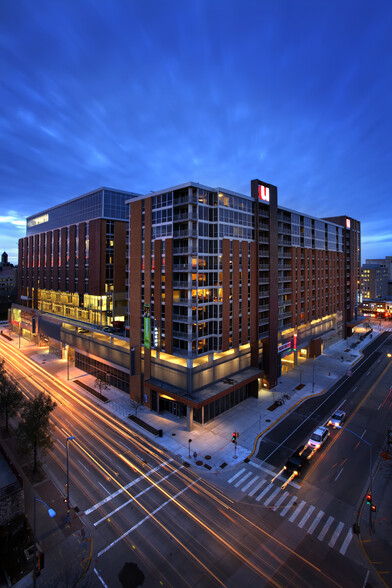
{"x": 224, "y": 291}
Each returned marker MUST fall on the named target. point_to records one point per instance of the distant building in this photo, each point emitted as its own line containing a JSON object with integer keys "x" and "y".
{"x": 380, "y": 309}
{"x": 8, "y": 285}
{"x": 387, "y": 263}
{"x": 374, "y": 281}
{"x": 219, "y": 291}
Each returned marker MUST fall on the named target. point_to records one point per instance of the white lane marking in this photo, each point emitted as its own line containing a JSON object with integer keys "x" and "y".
{"x": 236, "y": 476}
{"x": 363, "y": 433}
{"x": 260, "y": 496}
{"x": 316, "y": 521}
{"x": 279, "y": 502}
{"x": 341, "y": 469}
{"x": 379, "y": 406}
{"x": 366, "y": 579}
{"x": 288, "y": 506}
{"x": 346, "y": 542}
{"x": 239, "y": 482}
{"x": 145, "y": 519}
{"x": 102, "y": 486}
{"x": 254, "y": 490}
{"x": 244, "y": 489}
{"x": 83, "y": 466}
{"x": 143, "y": 477}
{"x": 105, "y": 518}
{"x": 297, "y": 511}
{"x": 99, "y": 578}
{"x": 306, "y": 516}
{"x": 271, "y": 496}
{"x": 355, "y": 388}
{"x": 324, "y": 530}
{"x": 336, "y": 534}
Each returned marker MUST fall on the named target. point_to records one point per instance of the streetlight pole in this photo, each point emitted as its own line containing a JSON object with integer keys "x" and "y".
{"x": 52, "y": 514}
{"x": 189, "y": 447}
{"x": 67, "y": 483}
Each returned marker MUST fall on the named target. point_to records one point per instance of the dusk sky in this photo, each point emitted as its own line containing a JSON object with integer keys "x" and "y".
{"x": 144, "y": 95}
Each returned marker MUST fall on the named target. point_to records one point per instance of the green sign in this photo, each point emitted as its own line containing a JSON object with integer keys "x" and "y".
{"x": 147, "y": 327}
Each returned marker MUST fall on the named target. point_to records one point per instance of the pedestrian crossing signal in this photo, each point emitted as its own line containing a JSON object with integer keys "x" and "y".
{"x": 373, "y": 507}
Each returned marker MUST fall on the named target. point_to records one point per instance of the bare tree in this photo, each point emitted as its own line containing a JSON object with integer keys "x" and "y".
{"x": 35, "y": 429}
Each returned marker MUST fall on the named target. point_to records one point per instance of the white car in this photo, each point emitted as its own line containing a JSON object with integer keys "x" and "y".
{"x": 337, "y": 419}
{"x": 318, "y": 437}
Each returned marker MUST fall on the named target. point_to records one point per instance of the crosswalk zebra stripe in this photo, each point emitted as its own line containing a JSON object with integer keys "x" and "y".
{"x": 336, "y": 534}
{"x": 279, "y": 502}
{"x": 324, "y": 530}
{"x": 260, "y": 496}
{"x": 236, "y": 476}
{"x": 258, "y": 485}
{"x": 242, "y": 479}
{"x": 306, "y": 516}
{"x": 346, "y": 542}
{"x": 316, "y": 521}
{"x": 244, "y": 489}
{"x": 288, "y": 506}
{"x": 271, "y": 496}
{"x": 297, "y": 511}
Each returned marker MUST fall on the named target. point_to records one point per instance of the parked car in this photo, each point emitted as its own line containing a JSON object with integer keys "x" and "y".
{"x": 318, "y": 437}
{"x": 337, "y": 419}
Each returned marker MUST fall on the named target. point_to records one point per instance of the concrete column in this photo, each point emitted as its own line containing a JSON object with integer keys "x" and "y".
{"x": 189, "y": 417}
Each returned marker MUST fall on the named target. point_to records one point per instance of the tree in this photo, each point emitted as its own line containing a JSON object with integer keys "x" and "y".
{"x": 35, "y": 429}
{"x": 101, "y": 381}
{"x": 135, "y": 404}
{"x": 11, "y": 399}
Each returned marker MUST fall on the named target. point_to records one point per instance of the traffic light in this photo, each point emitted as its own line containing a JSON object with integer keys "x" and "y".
{"x": 368, "y": 498}
{"x": 373, "y": 507}
{"x": 234, "y": 437}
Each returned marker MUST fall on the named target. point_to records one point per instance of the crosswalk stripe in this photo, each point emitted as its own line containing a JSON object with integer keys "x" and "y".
{"x": 306, "y": 516}
{"x": 236, "y": 476}
{"x": 346, "y": 542}
{"x": 297, "y": 511}
{"x": 316, "y": 521}
{"x": 336, "y": 534}
{"x": 258, "y": 485}
{"x": 288, "y": 506}
{"x": 271, "y": 496}
{"x": 279, "y": 502}
{"x": 244, "y": 489}
{"x": 242, "y": 479}
{"x": 324, "y": 530}
{"x": 260, "y": 496}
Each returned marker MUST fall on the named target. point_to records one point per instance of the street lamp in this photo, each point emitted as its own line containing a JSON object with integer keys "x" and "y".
{"x": 52, "y": 514}
{"x": 67, "y": 483}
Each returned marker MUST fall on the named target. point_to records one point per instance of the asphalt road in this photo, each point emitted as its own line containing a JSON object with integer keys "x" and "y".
{"x": 296, "y": 428}
{"x": 143, "y": 507}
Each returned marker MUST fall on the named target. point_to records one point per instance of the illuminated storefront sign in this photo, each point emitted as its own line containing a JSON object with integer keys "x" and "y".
{"x": 348, "y": 223}
{"x": 264, "y": 193}
{"x": 38, "y": 220}
{"x": 284, "y": 347}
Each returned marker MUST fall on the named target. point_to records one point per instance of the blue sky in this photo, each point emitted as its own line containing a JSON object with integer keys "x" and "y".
{"x": 143, "y": 95}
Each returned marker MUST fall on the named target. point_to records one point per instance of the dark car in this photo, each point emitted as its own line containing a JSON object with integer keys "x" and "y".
{"x": 297, "y": 462}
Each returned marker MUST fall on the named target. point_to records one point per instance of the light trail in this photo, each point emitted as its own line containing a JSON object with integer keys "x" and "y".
{"x": 106, "y": 419}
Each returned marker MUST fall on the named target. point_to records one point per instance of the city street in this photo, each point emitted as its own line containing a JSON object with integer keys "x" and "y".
{"x": 141, "y": 506}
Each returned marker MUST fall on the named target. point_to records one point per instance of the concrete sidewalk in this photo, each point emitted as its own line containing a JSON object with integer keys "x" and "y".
{"x": 211, "y": 447}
